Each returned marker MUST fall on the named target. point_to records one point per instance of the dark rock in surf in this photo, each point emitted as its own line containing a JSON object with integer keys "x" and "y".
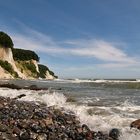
{"x": 114, "y": 134}
{"x": 11, "y": 86}
{"x": 135, "y": 124}
{"x": 35, "y": 87}
{"x": 19, "y": 96}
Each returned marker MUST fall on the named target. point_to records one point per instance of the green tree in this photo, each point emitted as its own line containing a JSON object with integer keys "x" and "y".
{"x": 5, "y": 40}
{"x": 24, "y": 55}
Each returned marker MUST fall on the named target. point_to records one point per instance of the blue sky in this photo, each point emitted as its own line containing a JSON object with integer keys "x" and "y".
{"x": 78, "y": 38}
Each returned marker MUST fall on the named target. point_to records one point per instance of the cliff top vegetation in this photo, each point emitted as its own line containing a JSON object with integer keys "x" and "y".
{"x": 5, "y": 40}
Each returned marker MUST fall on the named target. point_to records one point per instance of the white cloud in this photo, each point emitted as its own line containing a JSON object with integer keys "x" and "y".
{"x": 108, "y": 53}
{"x": 101, "y": 50}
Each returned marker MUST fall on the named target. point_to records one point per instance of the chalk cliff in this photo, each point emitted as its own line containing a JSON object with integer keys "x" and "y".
{"x": 18, "y": 63}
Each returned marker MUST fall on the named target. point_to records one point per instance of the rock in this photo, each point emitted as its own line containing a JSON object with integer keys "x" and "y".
{"x": 33, "y": 135}
{"x": 89, "y": 135}
{"x": 16, "y": 131}
{"x": 135, "y": 124}
{"x": 6, "y": 136}
{"x": 12, "y": 86}
{"x": 114, "y": 133}
{"x": 48, "y": 121}
{"x": 35, "y": 87}
{"x": 36, "y": 128}
{"x": 22, "y": 124}
{"x": 3, "y": 128}
{"x": 85, "y": 128}
{"x": 24, "y": 136}
{"x": 41, "y": 137}
{"x": 19, "y": 96}
{"x": 1, "y": 106}
{"x": 79, "y": 129}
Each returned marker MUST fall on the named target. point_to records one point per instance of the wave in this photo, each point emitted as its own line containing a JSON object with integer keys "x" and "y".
{"x": 76, "y": 80}
{"x": 98, "y": 118}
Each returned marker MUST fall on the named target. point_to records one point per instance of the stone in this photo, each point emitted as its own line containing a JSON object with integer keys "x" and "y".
{"x": 135, "y": 124}
{"x": 48, "y": 121}
{"x": 6, "y": 136}
{"x": 36, "y": 128}
{"x": 33, "y": 135}
{"x": 85, "y": 128}
{"x": 79, "y": 129}
{"x": 24, "y": 136}
{"x": 16, "y": 131}
{"x": 114, "y": 133}
{"x": 3, "y": 128}
{"x": 19, "y": 96}
{"x": 41, "y": 137}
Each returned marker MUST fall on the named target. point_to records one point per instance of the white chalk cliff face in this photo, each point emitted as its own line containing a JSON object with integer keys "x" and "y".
{"x": 7, "y": 55}
{"x": 49, "y": 76}
{"x": 36, "y": 64}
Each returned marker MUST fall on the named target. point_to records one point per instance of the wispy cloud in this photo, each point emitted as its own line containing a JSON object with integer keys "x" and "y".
{"x": 100, "y": 49}
{"x": 108, "y": 53}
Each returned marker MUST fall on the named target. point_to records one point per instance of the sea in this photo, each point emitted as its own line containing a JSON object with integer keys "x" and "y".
{"x": 100, "y": 104}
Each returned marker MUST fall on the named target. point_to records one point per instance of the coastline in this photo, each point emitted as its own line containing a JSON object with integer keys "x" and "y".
{"x": 46, "y": 96}
{"x": 21, "y": 120}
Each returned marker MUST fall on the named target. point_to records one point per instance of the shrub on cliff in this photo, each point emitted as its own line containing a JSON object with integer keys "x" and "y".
{"x": 30, "y": 66}
{"x": 24, "y": 55}
{"x": 43, "y": 69}
{"x": 8, "y": 67}
{"x": 5, "y": 40}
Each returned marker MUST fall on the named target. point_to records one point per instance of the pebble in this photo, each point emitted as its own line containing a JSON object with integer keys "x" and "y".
{"x": 114, "y": 134}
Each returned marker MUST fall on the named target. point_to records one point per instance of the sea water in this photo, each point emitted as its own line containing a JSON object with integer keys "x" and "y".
{"x": 102, "y": 105}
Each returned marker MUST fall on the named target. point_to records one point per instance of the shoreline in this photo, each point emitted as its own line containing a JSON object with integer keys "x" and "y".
{"x": 21, "y": 120}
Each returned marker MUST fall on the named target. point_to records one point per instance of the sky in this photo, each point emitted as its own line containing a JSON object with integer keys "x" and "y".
{"x": 77, "y": 38}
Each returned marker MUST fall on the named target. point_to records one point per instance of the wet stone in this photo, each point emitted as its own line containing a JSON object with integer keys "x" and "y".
{"x": 16, "y": 131}
{"x": 3, "y": 128}
{"x": 33, "y": 135}
{"x": 36, "y": 128}
{"x": 114, "y": 133}
{"x": 41, "y": 137}
{"x": 24, "y": 136}
{"x": 85, "y": 128}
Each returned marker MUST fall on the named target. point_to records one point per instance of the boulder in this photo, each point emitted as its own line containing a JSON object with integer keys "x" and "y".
{"x": 135, "y": 124}
{"x": 114, "y": 134}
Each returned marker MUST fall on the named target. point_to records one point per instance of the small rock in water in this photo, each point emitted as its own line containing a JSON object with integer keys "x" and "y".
{"x": 85, "y": 128}
{"x": 20, "y": 96}
{"x": 135, "y": 124}
{"x": 114, "y": 133}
